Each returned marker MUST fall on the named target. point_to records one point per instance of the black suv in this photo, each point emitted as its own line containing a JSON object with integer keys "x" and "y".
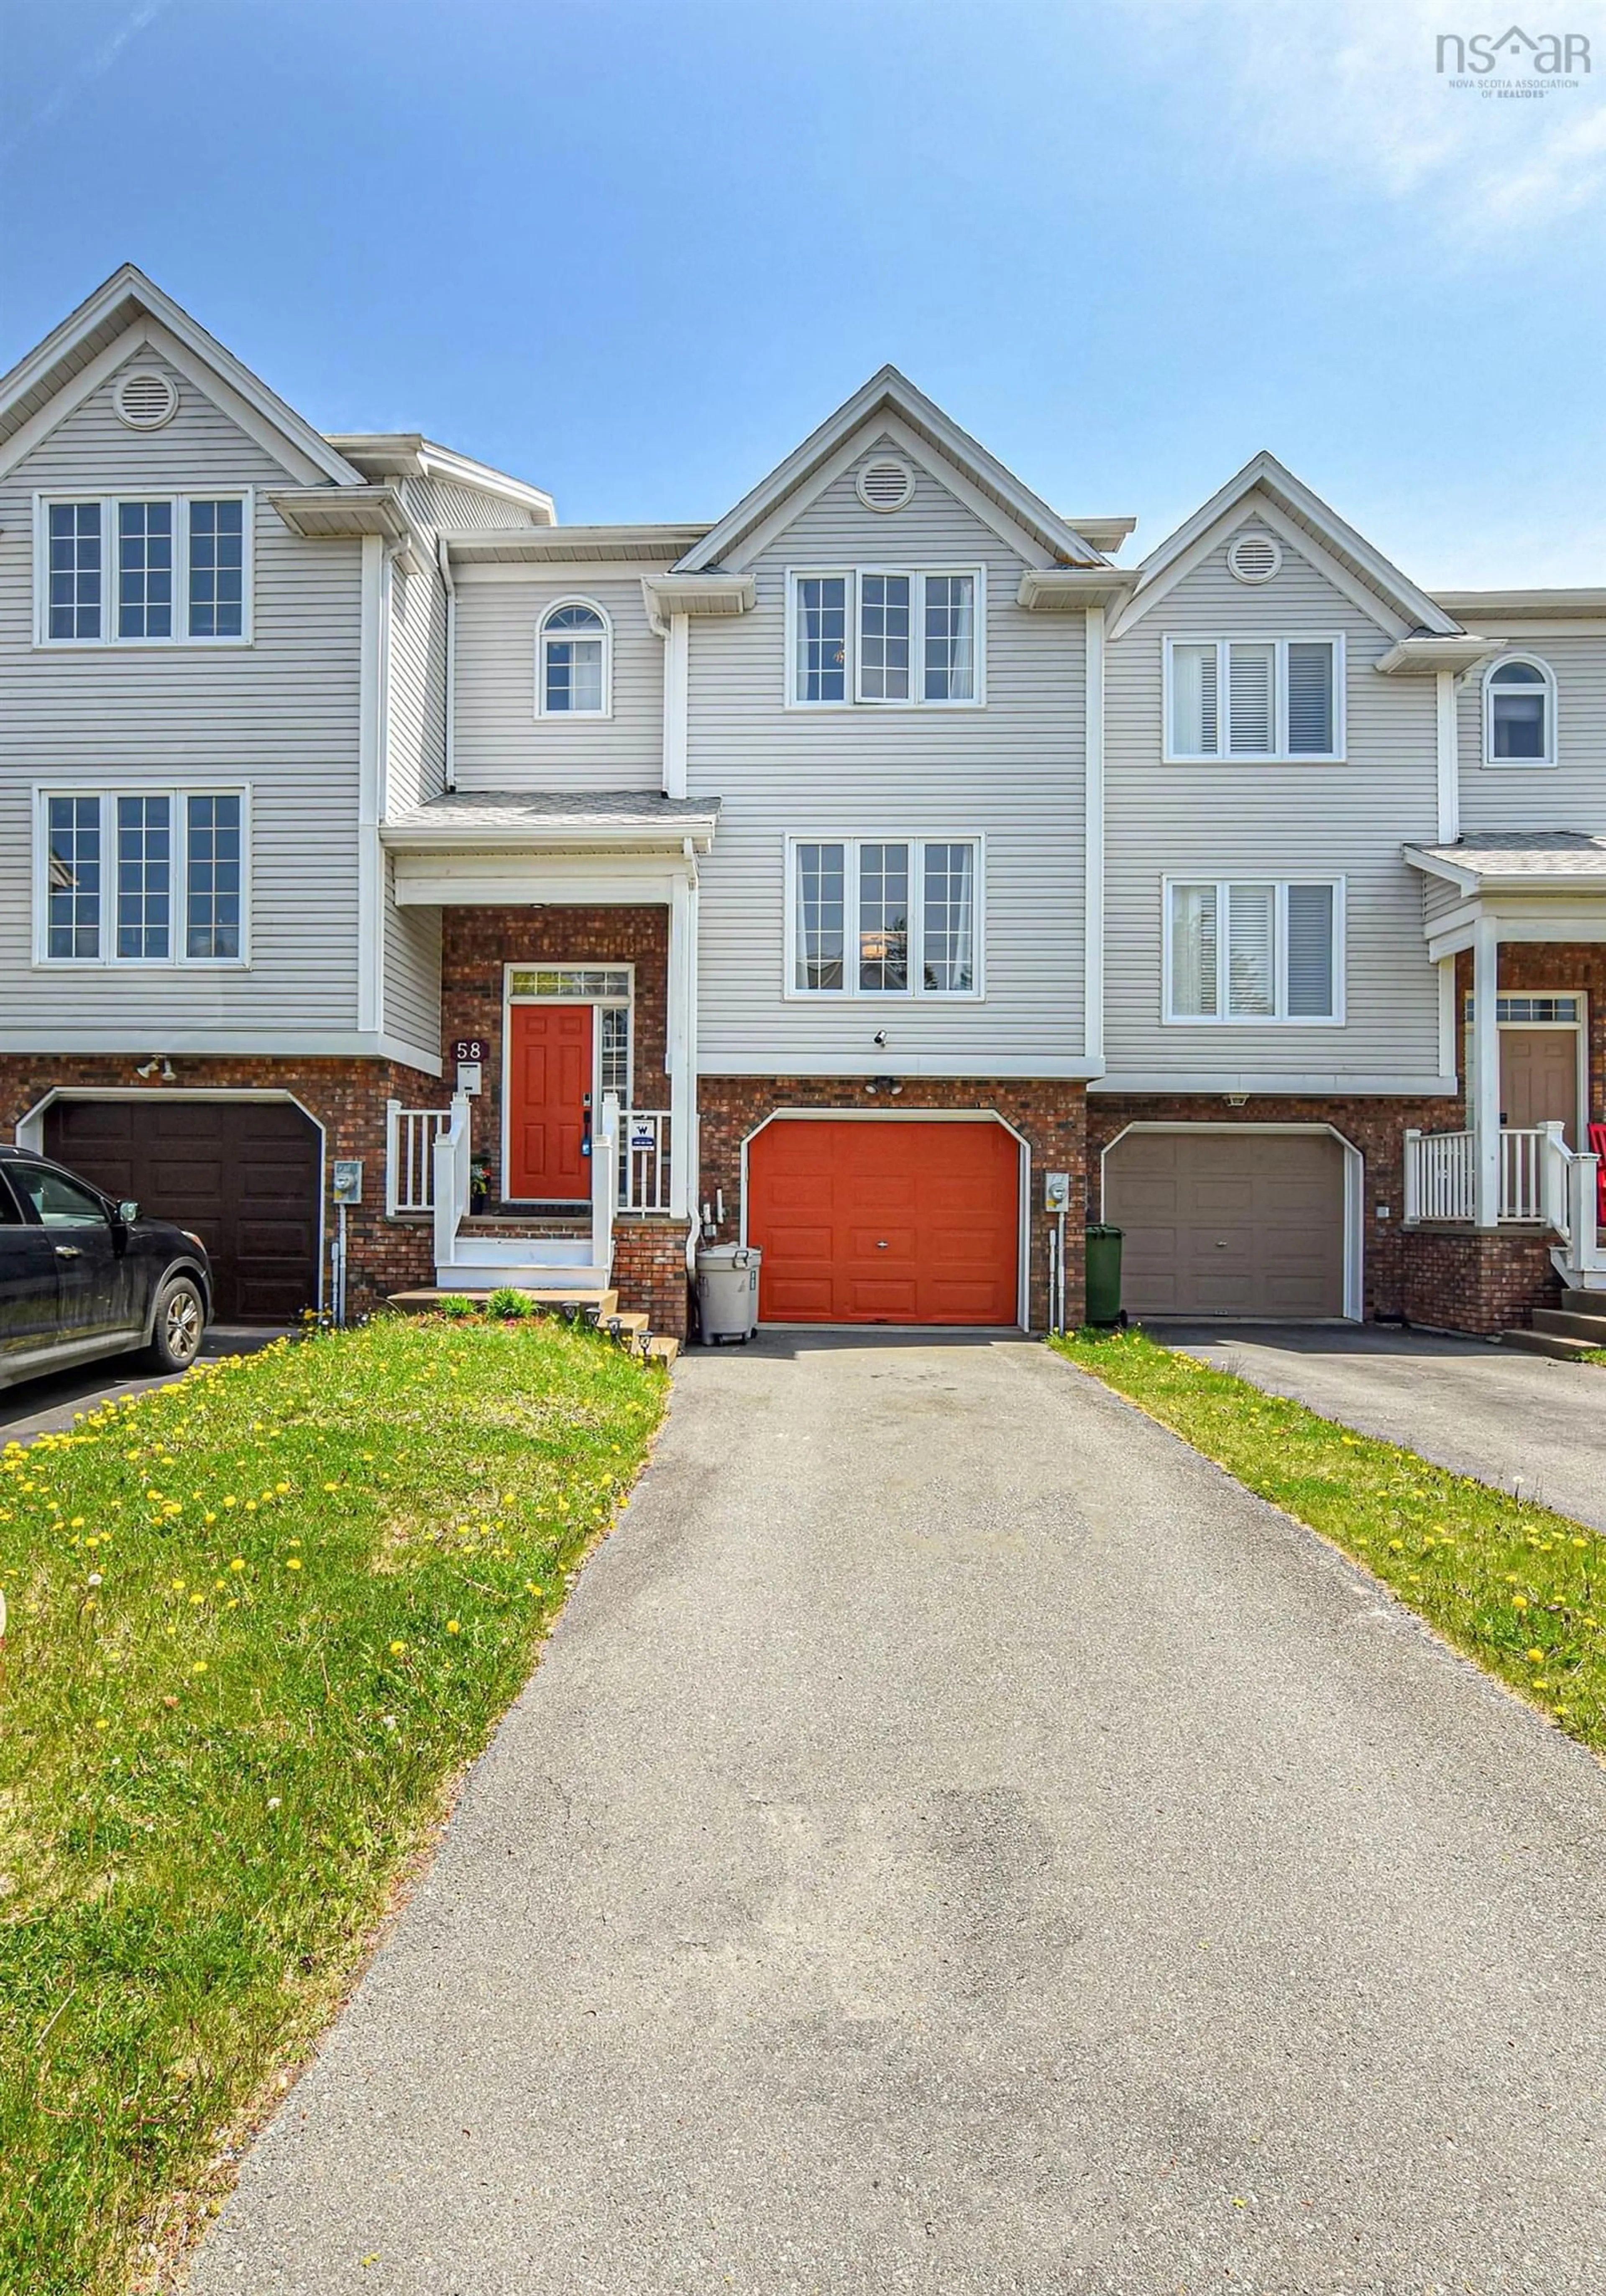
{"x": 82, "y": 1276}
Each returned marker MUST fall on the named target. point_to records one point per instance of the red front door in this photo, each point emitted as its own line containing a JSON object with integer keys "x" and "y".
{"x": 550, "y": 1087}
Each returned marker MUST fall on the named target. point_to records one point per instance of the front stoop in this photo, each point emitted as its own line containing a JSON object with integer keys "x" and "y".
{"x": 1575, "y": 1329}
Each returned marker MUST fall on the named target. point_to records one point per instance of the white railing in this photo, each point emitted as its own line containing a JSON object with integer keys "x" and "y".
{"x": 644, "y": 1160}
{"x": 1440, "y": 1176}
{"x": 410, "y": 1137}
{"x": 451, "y": 1157}
{"x": 1542, "y": 1180}
{"x": 605, "y": 1183}
{"x": 1522, "y": 1173}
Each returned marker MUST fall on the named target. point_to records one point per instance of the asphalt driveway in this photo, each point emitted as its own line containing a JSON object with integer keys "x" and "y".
{"x": 958, "y": 1840}
{"x": 1512, "y": 1419}
{"x": 50, "y": 1405}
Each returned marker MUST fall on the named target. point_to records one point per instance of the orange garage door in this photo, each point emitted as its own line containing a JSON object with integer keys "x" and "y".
{"x": 886, "y": 1222}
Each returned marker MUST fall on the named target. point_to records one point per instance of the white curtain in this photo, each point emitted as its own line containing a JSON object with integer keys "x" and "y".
{"x": 1193, "y": 701}
{"x": 1193, "y": 951}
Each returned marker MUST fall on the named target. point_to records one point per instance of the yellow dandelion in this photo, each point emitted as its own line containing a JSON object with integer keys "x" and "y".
{"x": 292, "y": 1563}
{"x": 199, "y": 1667}
{"x": 100, "y": 1722}
{"x": 211, "y": 1518}
{"x": 453, "y": 1627}
{"x": 197, "y": 1598}
{"x": 1535, "y": 1657}
{"x": 1540, "y": 1682}
{"x": 250, "y": 1506}
{"x": 281, "y": 1487}
{"x": 178, "y": 1586}
{"x": 398, "y": 1649}
{"x": 1519, "y": 1601}
{"x": 77, "y": 1524}
{"x": 238, "y": 1563}
{"x": 231, "y": 1500}
{"x": 331, "y": 1487}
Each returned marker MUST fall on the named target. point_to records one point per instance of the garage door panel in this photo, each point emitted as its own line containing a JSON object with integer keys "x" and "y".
{"x": 245, "y": 1175}
{"x": 1230, "y": 1223}
{"x": 922, "y": 1222}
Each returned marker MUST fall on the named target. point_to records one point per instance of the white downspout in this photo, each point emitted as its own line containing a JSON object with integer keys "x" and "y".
{"x": 1092, "y": 831}
{"x": 1486, "y": 1091}
{"x": 1449, "y": 760}
{"x": 443, "y": 560}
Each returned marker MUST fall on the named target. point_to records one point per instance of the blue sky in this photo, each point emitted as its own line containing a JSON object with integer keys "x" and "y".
{"x": 635, "y": 251}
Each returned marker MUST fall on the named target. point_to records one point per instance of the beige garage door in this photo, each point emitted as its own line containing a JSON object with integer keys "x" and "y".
{"x": 1228, "y": 1222}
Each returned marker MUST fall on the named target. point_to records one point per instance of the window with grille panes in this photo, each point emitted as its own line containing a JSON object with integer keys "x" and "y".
{"x": 166, "y": 569}
{"x": 880, "y": 638}
{"x": 1254, "y": 949}
{"x": 141, "y": 877}
{"x": 878, "y": 917}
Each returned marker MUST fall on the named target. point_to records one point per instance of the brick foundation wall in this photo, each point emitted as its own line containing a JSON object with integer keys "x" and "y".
{"x": 649, "y": 1272}
{"x": 1375, "y": 1127}
{"x": 1051, "y": 1115}
{"x": 1471, "y": 1280}
{"x": 346, "y": 1096}
{"x": 477, "y": 943}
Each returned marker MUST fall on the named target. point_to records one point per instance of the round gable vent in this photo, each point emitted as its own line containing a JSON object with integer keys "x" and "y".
{"x": 1254, "y": 557}
{"x": 145, "y": 401}
{"x": 884, "y": 483}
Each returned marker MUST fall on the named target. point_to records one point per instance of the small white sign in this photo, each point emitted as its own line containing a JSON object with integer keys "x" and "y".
{"x": 468, "y": 1076}
{"x": 643, "y": 1135}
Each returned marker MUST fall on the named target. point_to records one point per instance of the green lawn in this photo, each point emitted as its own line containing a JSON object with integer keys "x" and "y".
{"x": 1519, "y": 1589}
{"x": 257, "y": 1624}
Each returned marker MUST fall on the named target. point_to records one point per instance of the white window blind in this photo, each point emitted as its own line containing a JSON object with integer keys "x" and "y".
{"x": 1254, "y": 949}
{"x": 1261, "y": 698}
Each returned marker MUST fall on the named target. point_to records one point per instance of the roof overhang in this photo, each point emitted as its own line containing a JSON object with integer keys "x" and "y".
{"x": 497, "y": 822}
{"x": 1072, "y": 589}
{"x": 1524, "y": 605}
{"x": 338, "y": 513}
{"x": 1105, "y": 534}
{"x": 709, "y": 597}
{"x": 559, "y": 545}
{"x": 1423, "y": 657}
{"x": 409, "y": 454}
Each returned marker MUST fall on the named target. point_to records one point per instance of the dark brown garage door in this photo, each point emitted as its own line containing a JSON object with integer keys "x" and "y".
{"x": 1228, "y": 1222}
{"x": 242, "y": 1173}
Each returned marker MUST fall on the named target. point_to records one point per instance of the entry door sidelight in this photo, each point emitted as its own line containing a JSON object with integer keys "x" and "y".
{"x": 549, "y": 1102}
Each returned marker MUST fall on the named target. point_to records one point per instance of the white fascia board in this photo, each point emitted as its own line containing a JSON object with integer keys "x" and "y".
{"x": 1214, "y": 1083}
{"x": 128, "y": 283}
{"x": 1426, "y": 657}
{"x": 1525, "y": 605}
{"x": 568, "y": 575}
{"x": 1149, "y": 592}
{"x": 552, "y": 840}
{"x": 146, "y": 335}
{"x": 703, "y": 595}
{"x": 1072, "y": 589}
{"x": 1434, "y": 864}
{"x": 606, "y": 882}
{"x": 887, "y": 397}
{"x": 1278, "y": 487}
{"x": 244, "y": 1043}
{"x": 963, "y": 1065}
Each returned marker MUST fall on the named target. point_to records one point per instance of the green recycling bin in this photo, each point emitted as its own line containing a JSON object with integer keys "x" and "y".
{"x": 1104, "y": 1275}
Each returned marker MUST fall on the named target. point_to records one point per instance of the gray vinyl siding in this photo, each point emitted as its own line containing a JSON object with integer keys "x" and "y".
{"x": 1570, "y": 794}
{"x": 501, "y": 742}
{"x": 1243, "y": 820}
{"x": 1439, "y": 896}
{"x": 412, "y": 971}
{"x": 281, "y": 714}
{"x": 1011, "y": 772}
{"x": 446, "y": 502}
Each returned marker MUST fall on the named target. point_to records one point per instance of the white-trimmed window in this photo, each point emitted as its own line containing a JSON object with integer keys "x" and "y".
{"x": 141, "y": 876}
{"x": 1263, "y": 697}
{"x": 573, "y": 661}
{"x": 1252, "y": 949}
{"x": 1519, "y": 712}
{"x": 878, "y": 917}
{"x": 886, "y": 636}
{"x": 143, "y": 570}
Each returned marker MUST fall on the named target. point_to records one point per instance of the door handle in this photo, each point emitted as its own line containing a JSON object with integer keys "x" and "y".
{"x": 68, "y": 1252}
{"x": 882, "y": 1246}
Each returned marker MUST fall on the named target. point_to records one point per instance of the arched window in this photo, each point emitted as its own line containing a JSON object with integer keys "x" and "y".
{"x": 572, "y": 666}
{"x": 1519, "y": 713}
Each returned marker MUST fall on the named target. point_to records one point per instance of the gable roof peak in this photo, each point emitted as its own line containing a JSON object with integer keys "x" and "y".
{"x": 891, "y": 390}
{"x": 103, "y": 319}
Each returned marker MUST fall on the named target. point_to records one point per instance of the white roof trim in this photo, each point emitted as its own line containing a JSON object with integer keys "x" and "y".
{"x": 129, "y": 283}
{"x": 1279, "y": 488}
{"x": 407, "y": 454}
{"x": 887, "y": 394}
{"x": 1290, "y": 532}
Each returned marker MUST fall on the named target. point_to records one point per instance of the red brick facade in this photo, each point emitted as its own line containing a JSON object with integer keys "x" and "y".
{"x": 1551, "y": 968}
{"x": 347, "y": 1097}
{"x": 477, "y": 943}
{"x": 649, "y": 1272}
{"x": 1458, "y": 1279}
{"x": 1050, "y": 1116}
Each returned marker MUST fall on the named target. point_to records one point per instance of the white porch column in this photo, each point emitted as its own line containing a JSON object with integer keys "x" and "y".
{"x": 682, "y": 1044}
{"x": 1485, "y": 1079}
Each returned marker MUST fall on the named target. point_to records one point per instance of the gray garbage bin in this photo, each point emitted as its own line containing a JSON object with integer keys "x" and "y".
{"x": 728, "y": 1291}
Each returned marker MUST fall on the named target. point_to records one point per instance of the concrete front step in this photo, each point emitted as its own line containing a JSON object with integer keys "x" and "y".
{"x": 1573, "y": 1323}
{"x": 1582, "y": 1303}
{"x": 524, "y": 1275}
{"x": 472, "y": 1250}
{"x": 1555, "y": 1344}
